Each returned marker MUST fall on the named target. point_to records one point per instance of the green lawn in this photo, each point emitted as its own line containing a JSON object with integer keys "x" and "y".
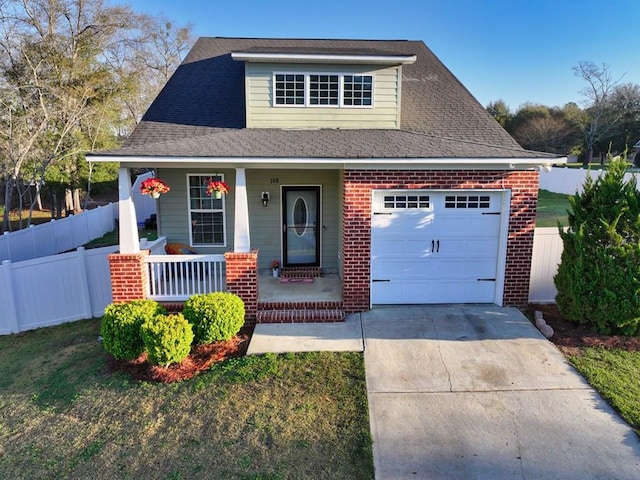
{"x": 63, "y": 415}
{"x": 616, "y": 375}
{"x": 551, "y": 208}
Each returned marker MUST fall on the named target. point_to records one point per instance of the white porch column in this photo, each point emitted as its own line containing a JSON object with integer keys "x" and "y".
{"x": 128, "y": 235}
{"x": 241, "y": 238}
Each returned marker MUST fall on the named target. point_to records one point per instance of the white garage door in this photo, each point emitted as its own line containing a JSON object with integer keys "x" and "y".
{"x": 434, "y": 247}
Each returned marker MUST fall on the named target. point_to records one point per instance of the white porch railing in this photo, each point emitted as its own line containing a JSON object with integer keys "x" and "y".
{"x": 177, "y": 277}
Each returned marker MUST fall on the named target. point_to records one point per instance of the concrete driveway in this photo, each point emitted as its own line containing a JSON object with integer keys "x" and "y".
{"x": 475, "y": 392}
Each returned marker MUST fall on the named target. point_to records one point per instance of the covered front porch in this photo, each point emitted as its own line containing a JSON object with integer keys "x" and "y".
{"x": 306, "y": 295}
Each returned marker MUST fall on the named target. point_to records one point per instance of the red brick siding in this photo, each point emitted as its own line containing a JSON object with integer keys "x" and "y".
{"x": 356, "y": 234}
{"x": 242, "y": 279}
{"x": 128, "y": 276}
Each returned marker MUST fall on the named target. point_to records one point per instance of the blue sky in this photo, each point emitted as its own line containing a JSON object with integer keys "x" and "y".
{"x": 515, "y": 50}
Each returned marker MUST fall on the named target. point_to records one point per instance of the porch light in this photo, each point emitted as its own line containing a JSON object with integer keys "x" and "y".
{"x": 265, "y": 199}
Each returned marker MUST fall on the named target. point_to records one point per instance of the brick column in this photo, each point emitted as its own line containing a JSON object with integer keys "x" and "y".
{"x": 356, "y": 247}
{"x": 242, "y": 279}
{"x": 522, "y": 225}
{"x": 129, "y": 277}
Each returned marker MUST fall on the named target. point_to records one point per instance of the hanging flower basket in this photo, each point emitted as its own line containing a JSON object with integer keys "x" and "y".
{"x": 217, "y": 189}
{"x": 154, "y": 187}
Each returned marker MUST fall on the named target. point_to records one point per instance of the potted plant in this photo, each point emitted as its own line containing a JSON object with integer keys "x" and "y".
{"x": 154, "y": 187}
{"x": 217, "y": 188}
{"x": 275, "y": 268}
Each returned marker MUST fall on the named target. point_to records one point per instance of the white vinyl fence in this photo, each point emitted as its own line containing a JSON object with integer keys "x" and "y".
{"x": 145, "y": 205}
{"x": 547, "y": 250}
{"x": 54, "y": 289}
{"x": 71, "y": 232}
{"x": 571, "y": 180}
{"x": 58, "y": 235}
{"x": 57, "y": 289}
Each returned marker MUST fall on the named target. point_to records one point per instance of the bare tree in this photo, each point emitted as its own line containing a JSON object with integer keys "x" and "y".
{"x": 545, "y": 134}
{"x": 625, "y": 102}
{"x": 67, "y": 69}
{"x": 600, "y": 120}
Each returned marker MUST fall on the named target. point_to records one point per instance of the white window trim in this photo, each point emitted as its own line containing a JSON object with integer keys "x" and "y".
{"x": 198, "y": 210}
{"x": 307, "y": 82}
{"x": 292, "y": 105}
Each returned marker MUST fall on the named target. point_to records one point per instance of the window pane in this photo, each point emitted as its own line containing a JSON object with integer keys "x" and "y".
{"x": 289, "y": 89}
{"x": 323, "y": 89}
{"x": 206, "y": 213}
{"x": 358, "y": 90}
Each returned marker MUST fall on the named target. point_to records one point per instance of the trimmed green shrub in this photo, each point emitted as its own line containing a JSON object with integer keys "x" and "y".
{"x": 598, "y": 279}
{"x": 167, "y": 339}
{"x": 215, "y": 316}
{"x": 120, "y": 328}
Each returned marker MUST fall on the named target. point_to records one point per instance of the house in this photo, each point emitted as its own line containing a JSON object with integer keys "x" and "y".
{"x": 367, "y": 160}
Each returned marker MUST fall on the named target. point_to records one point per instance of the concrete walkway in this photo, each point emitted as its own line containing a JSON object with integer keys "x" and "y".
{"x": 472, "y": 392}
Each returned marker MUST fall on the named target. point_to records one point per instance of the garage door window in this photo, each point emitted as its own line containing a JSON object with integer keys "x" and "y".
{"x": 403, "y": 202}
{"x": 467, "y": 201}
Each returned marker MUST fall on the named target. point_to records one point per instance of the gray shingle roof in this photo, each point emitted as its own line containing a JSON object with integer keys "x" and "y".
{"x": 200, "y": 112}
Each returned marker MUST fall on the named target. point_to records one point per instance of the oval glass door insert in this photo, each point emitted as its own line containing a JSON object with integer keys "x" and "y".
{"x": 300, "y": 216}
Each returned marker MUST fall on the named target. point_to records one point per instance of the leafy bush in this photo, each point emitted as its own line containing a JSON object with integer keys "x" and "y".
{"x": 598, "y": 279}
{"x": 215, "y": 316}
{"x": 167, "y": 339}
{"x": 120, "y": 328}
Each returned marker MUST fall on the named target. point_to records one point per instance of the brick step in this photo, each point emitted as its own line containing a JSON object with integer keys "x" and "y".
{"x": 300, "y": 316}
{"x": 173, "y": 307}
{"x": 300, "y": 305}
{"x": 301, "y": 272}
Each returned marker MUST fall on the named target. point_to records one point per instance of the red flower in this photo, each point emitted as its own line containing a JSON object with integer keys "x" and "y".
{"x": 275, "y": 264}
{"x": 153, "y": 185}
{"x": 217, "y": 186}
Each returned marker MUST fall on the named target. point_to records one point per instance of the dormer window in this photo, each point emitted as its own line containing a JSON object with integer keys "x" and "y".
{"x": 358, "y": 90}
{"x": 331, "y": 90}
{"x": 289, "y": 89}
{"x": 323, "y": 89}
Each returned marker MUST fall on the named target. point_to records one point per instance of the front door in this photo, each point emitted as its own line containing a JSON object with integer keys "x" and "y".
{"x": 300, "y": 226}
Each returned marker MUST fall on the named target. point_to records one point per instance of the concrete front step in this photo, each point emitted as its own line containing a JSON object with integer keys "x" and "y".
{"x": 300, "y": 316}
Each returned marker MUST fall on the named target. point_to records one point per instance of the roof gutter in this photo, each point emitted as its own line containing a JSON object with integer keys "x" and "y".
{"x": 346, "y": 163}
{"x": 323, "y": 58}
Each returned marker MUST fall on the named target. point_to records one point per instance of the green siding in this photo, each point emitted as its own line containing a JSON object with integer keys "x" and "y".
{"x": 265, "y": 223}
{"x": 261, "y": 113}
{"x": 173, "y": 207}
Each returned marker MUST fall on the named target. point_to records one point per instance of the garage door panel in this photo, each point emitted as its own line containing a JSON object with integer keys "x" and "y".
{"x": 469, "y": 247}
{"x": 460, "y": 225}
{"x": 466, "y": 269}
{"x": 447, "y": 253}
{"x": 465, "y": 291}
{"x": 401, "y": 248}
{"x": 402, "y": 268}
{"x": 418, "y": 292}
{"x": 392, "y": 223}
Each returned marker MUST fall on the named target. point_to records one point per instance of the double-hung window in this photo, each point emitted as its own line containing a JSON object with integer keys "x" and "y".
{"x": 332, "y": 90}
{"x": 206, "y": 213}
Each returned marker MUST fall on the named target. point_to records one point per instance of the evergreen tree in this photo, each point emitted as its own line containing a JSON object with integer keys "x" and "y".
{"x": 598, "y": 279}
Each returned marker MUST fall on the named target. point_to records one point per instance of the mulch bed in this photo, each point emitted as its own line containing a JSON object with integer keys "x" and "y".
{"x": 200, "y": 359}
{"x": 571, "y": 337}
